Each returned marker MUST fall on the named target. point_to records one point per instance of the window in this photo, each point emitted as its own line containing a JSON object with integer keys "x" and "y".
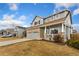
{"x": 39, "y": 22}
{"x": 47, "y": 31}
{"x": 61, "y": 15}
{"x": 57, "y": 16}
{"x": 55, "y": 31}
{"x": 35, "y": 23}
{"x": 54, "y": 17}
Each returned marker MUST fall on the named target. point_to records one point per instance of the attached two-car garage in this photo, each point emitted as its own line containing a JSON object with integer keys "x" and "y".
{"x": 33, "y": 33}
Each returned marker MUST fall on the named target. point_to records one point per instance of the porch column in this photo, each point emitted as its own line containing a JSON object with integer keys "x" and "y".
{"x": 45, "y": 32}
{"x": 65, "y": 34}
{"x": 62, "y": 27}
{"x": 69, "y": 32}
{"x": 71, "y": 28}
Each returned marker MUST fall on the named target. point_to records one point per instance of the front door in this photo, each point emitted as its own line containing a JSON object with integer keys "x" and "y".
{"x": 42, "y": 32}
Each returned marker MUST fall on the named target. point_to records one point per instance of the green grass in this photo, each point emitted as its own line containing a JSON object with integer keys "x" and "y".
{"x": 38, "y": 48}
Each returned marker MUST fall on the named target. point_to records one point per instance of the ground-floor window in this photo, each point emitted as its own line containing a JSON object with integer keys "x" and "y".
{"x": 55, "y": 31}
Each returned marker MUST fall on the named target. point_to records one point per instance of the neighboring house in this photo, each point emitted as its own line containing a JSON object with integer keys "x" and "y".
{"x": 2, "y": 32}
{"x": 10, "y": 31}
{"x": 42, "y": 28}
{"x": 74, "y": 31}
{"x": 20, "y": 32}
{"x": 6, "y": 32}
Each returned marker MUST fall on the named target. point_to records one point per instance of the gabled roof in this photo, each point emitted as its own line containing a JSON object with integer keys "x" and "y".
{"x": 21, "y": 27}
{"x": 61, "y": 12}
{"x": 54, "y": 15}
{"x": 35, "y": 18}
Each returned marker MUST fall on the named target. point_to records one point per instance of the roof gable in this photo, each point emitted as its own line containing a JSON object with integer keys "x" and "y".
{"x": 54, "y": 15}
{"x": 36, "y": 17}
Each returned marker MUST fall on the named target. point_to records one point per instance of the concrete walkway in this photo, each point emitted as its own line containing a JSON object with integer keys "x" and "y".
{"x": 4, "y": 43}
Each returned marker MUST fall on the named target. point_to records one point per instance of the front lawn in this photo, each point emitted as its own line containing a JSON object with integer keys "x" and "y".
{"x": 38, "y": 48}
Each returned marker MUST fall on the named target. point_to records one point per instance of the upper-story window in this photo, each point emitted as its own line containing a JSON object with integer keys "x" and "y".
{"x": 57, "y": 15}
{"x": 39, "y": 21}
{"x": 35, "y": 23}
{"x": 62, "y": 15}
{"x": 54, "y": 17}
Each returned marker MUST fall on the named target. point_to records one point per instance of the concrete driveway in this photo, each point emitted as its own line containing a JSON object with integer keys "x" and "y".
{"x": 4, "y": 43}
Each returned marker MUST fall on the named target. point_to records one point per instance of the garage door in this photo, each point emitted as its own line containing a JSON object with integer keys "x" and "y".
{"x": 33, "y": 35}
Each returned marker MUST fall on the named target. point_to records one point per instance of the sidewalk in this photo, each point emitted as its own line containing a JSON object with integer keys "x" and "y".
{"x": 4, "y": 43}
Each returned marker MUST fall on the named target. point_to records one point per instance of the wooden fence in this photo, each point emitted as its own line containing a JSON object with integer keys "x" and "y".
{"x": 75, "y": 36}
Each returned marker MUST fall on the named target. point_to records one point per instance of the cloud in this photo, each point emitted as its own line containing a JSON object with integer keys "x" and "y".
{"x": 76, "y": 11}
{"x": 76, "y": 27}
{"x": 25, "y": 19}
{"x": 13, "y": 6}
{"x": 66, "y": 5}
{"x": 22, "y": 18}
{"x": 8, "y": 21}
{"x": 62, "y": 6}
{"x": 8, "y": 17}
{"x": 26, "y": 25}
{"x": 9, "y": 24}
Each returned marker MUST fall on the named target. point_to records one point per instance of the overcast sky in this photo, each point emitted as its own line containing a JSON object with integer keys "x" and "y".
{"x": 23, "y": 13}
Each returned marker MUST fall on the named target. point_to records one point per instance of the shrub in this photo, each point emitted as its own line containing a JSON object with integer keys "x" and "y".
{"x": 57, "y": 38}
{"x": 73, "y": 43}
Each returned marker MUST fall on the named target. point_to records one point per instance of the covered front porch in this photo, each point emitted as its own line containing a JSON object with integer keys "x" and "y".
{"x": 47, "y": 32}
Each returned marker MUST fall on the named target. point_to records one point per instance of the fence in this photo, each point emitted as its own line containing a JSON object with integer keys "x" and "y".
{"x": 75, "y": 36}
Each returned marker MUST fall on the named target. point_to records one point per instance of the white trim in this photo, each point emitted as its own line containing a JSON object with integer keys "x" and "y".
{"x": 65, "y": 34}
{"x": 62, "y": 27}
{"x": 45, "y": 32}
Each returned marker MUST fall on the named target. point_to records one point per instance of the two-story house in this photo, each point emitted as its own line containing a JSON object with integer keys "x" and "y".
{"x": 42, "y": 28}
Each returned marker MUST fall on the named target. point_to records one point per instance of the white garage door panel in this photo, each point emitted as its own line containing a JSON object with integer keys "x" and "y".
{"x": 33, "y": 35}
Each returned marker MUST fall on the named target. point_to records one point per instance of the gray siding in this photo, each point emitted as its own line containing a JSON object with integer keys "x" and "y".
{"x": 48, "y": 35}
{"x": 68, "y": 25}
{"x": 33, "y": 35}
{"x": 37, "y": 19}
{"x": 58, "y": 27}
{"x": 56, "y": 17}
{"x": 19, "y": 32}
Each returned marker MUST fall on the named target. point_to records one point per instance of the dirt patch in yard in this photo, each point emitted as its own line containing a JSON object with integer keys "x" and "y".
{"x": 38, "y": 48}
{"x": 8, "y": 38}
